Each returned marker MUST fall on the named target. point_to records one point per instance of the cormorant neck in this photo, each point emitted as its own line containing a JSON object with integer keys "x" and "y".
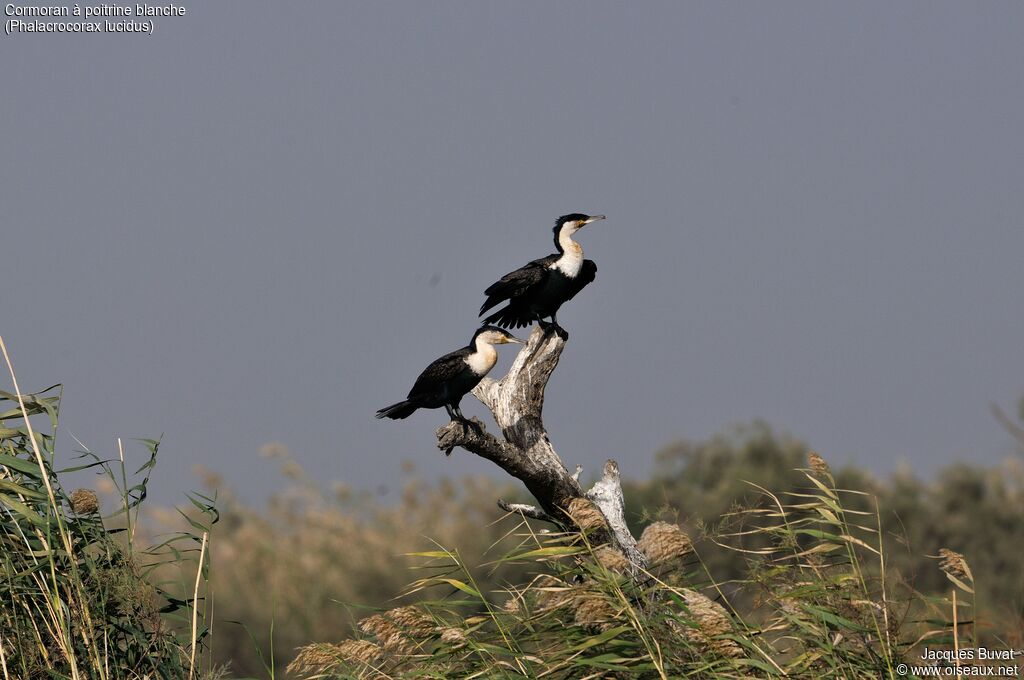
{"x": 483, "y": 357}
{"x": 564, "y": 240}
{"x": 572, "y": 255}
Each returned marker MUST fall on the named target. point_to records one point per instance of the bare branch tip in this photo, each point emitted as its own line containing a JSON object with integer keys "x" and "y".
{"x": 525, "y": 510}
{"x": 611, "y": 469}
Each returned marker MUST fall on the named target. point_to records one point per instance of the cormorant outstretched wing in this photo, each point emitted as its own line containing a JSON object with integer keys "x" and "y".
{"x": 520, "y": 281}
{"x": 439, "y": 371}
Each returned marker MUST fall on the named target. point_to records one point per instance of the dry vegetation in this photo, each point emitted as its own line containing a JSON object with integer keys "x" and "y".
{"x": 309, "y": 563}
{"x": 776, "y": 565}
{"x": 815, "y": 600}
{"x": 331, "y": 558}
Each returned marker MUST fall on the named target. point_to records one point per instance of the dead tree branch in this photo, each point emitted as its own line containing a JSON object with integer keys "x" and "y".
{"x": 526, "y": 510}
{"x": 525, "y": 451}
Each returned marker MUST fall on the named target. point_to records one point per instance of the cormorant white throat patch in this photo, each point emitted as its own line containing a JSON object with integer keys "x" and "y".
{"x": 571, "y": 260}
{"x": 483, "y": 359}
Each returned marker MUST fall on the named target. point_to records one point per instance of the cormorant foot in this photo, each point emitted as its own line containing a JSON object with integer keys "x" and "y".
{"x": 468, "y": 425}
{"x": 552, "y": 326}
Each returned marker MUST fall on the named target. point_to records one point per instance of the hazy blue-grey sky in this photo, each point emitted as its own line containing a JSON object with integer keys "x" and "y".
{"x": 261, "y": 222}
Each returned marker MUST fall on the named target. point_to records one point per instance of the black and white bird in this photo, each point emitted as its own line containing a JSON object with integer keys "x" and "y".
{"x": 539, "y": 288}
{"x": 448, "y": 379}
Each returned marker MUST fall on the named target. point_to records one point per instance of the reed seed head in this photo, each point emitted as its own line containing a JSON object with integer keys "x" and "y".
{"x": 315, "y": 658}
{"x": 712, "y": 621}
{"x": 586, "y": 515}
{"x": 818, "y": 464}
{"x": 453, "y": 636}
{"x": 84, "y": 502}
{"x": 412, "y": 620}
{"x": 593, "y": 611}
{"x": 324, "y": 658}
{"x": 954, "y": 564}
{"x": 387, "y": 633}
{"x": 662, "y": 542}
{"x": 513, "y": 605}
{"x": 611, "y": 559}
{"x": 360, "y": 651}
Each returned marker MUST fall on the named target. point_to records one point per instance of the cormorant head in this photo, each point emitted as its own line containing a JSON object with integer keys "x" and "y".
{"x": 492, "y": 335}
{"x": 571, "y": 223}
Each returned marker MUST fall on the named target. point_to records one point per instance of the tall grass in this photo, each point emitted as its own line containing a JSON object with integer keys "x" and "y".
{"x": 309, "y": 563}
{"x": 78, "y": 594}
{"x": 317, "y": 557}
{"x": 814, "y": 603}
{"x": 973, "y": 509}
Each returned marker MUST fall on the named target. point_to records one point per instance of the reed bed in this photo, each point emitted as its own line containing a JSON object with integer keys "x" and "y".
{"x": 579, "y": 614}
{"x": 786, "y": 568}
{"x": 79, "y": 597}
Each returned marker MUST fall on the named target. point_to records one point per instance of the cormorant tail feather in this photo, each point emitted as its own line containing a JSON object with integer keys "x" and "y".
{"x": 402, "y": 409}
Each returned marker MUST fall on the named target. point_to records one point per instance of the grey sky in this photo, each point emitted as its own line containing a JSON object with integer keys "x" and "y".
{"x": 261, "y": 222}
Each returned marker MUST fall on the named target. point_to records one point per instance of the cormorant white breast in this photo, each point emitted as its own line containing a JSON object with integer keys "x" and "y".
{"x": 539, "y": 288}
{"x": 446, "y": 380}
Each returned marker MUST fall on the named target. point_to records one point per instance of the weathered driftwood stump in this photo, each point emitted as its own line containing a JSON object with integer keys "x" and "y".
{"x": 525, "y": 451}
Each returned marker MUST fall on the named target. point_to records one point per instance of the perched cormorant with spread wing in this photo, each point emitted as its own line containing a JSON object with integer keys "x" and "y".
{"x": 538, "y": 289}
{"x": 446, "y": 380}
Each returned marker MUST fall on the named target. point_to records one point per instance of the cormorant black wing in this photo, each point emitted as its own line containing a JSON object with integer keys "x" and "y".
{"x": 587, "y": 273}
{"x": 440, "y": 371}
{"x": 520, "y": 281}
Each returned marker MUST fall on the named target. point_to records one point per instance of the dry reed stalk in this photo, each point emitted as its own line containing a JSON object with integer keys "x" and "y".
{"x": 195, "y": 606}
{"x": 956, "y": 638}
{"x": 3, "y": 660}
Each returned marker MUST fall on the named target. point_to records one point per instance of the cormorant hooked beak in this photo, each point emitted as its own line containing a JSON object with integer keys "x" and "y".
{"x": 593, "y": 218}
{"x": 513, "y": 339}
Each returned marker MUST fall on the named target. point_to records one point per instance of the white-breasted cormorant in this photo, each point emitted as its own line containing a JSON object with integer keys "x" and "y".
{"x": 446, "y": 380}
{"x": 538, "y": 289}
